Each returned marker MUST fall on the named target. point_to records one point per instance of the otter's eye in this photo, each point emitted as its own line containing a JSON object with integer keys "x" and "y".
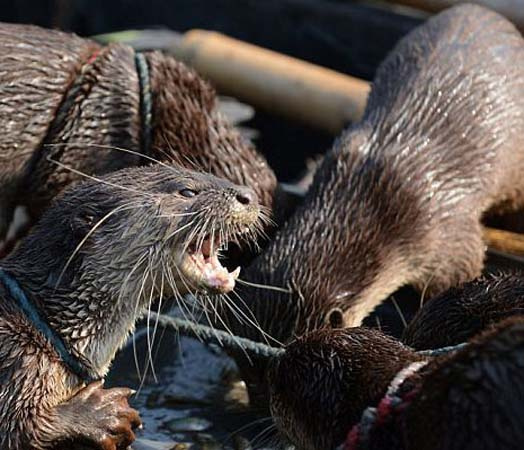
{"x": 188, "y": 193}
{"x": 335, "y": 318}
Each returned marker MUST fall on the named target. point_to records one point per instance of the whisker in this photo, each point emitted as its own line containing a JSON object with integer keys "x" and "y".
{"x": 265, "y": 286}
{"x": 149, "y": 341}
{"x": 379, "y": 325}
{"x": 177, "y": 215}
{"x": 178, "y": 230}
{"x": 426, "y": 286}
{"x": 112, "y": 147}
{"x": 264, "y": 432}
{"x": 399, "y": 311}
{"x": 100, "y": 180}
{"x": 89, "y": 234}
{"x": 178, "y": 296}
{"x": 155, "y": 326}
{"x": 223, "y": 300}
{"x": 135, "y": 353}
{"x": 247, "y": 426}
{"x": 254, "y": 321}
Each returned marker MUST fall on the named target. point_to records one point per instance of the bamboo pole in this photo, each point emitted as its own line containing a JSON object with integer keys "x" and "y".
{"x": 504, "y": 241}
{"x": 274, "y": 82}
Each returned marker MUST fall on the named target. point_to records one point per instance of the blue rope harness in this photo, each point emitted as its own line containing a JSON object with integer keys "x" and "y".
{"x": 218, "y": 337}
{"x": 73, "y": 363}
{"x": 226, "y": 340}
{"x": 146, "y": 102}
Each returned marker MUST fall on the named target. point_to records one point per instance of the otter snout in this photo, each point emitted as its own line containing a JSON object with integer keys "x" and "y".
{"x": 202, "y": 215}
{"x": 245, "y": 208}
{"x": 246, "y": 196}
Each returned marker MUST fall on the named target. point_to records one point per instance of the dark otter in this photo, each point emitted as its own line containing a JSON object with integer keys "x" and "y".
{"x": 346, "y": 365}
{"x": 56, "y": 88}
{"x": 464, "y": 311}
{"x": 399, "y": 198}
{"x": 361, "y": 387}
{"x": 71, "y": 292}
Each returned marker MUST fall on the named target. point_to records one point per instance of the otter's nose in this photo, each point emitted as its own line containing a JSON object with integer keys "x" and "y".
{"x": 246, "y": 196}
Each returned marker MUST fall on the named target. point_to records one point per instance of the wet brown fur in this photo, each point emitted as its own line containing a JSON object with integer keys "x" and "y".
{"x": 136, "y": 223}
{"x": 400, "y": 197}
{"x": 471, "y": 400}
{"x": 325, "y": 379}
{"x": 461, "y": 312}
{"x": 96, "y": 89}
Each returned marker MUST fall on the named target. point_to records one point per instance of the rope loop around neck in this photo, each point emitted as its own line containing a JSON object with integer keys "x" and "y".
{"x": 75, "y": 364}
{"x": 146, "y": 102}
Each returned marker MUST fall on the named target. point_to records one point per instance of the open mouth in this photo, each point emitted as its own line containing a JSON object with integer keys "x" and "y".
{"x": 202, "y": 266}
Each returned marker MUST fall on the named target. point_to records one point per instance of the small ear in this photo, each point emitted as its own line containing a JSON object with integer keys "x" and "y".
{"x": 335, "y": 318}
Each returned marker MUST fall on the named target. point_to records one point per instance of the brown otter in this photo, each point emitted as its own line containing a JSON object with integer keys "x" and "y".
{"x": 71, "y": 292}
{"x": 399, "y": 198}
{"x": 56, "y": 88}
{"x": 381, "y": 395}
{"x": 464, "y": 311}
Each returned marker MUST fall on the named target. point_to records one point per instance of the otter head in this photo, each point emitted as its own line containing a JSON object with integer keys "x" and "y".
{"x": 323, "y": 382}
{"x": 106, "y": 249}
{"x": 158, "y": 221}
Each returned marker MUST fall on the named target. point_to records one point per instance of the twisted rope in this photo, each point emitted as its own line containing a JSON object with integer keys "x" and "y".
{"x": 223, "y": 339}
{"x": 442, "y": 350}
{"x": 211, "y": 336}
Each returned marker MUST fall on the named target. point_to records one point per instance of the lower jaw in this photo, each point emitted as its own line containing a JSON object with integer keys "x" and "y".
{"x": 212, "y": 278}
{"x": 202, "y": 288}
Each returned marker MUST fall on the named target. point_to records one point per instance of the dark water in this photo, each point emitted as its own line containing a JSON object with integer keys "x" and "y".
{"x": 196, "y": 401}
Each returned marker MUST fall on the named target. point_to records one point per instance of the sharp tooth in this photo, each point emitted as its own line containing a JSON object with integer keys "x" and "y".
{"x": 235, "y": 273}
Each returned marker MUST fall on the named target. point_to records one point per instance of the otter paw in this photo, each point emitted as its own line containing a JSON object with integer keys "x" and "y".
{"x": 111, "y": 419}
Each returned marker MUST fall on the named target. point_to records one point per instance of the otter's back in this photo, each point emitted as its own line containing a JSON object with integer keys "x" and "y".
{"x": 36, "y": 68}
{"x": 452, "y": 93}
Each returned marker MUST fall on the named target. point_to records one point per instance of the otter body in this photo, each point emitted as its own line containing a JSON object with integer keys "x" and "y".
{"x": 399, "y": 198}
{"x": 91, "y": 266}
{"x": 357, "y": 389}
{"x": 67, "y": 99}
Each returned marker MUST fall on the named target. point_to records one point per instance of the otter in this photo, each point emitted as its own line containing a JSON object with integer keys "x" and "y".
{"x": 359, "y": 389}
{"x": 71, "y": 292}
{"x": 399, "y": 198}
{"x": 70, "y": 100}
{"x": 461, "y": 312}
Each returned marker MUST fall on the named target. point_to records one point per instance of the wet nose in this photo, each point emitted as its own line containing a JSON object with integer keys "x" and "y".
{"x": 246, "y": 196}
